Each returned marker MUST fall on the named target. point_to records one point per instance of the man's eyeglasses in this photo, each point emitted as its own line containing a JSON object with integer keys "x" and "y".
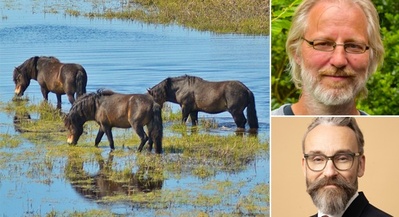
{"x": 341, "y": 161}
{"x": 328, "y": 46}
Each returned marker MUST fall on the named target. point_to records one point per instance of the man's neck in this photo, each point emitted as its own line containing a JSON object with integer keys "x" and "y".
{"x": 306, "y": 106}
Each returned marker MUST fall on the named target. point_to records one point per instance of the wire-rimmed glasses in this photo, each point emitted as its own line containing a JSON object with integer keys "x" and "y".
{"x": 328, "y": 46}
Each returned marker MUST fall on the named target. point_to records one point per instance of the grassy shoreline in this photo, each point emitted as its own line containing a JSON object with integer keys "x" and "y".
{"x": 220, "y": 16}
{"x": 250, "y": 17}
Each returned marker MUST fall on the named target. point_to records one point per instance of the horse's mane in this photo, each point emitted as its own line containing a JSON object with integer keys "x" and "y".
{"x": 29, "y": 67}
{"x": 50, "y": 58}
{"x": 161, "y": 89}
{"x": 85, "y": 106}
{"x": 189, "y": 78}
{"x": 104, "y": 92}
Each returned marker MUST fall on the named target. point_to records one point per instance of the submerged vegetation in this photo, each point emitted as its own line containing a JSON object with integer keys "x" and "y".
{"x": 127, "y": 176}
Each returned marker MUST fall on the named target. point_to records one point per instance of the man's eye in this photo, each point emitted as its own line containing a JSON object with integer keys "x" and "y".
{"x": 354, "y": 46}
{"x": 317, "y": 159}
{"x": 323, "y": 43}
{"x": 342, "y": 158}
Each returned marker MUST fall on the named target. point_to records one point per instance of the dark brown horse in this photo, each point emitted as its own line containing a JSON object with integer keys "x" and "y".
{"x": 194, "y": 94}
{"x": 52, "y": 76}
{"x": 110, "y": 109}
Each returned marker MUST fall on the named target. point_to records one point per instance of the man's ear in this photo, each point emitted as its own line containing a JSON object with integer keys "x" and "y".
{"x": 304, "y": 167}
{"x": 298, "y": 58}
{"x": 362, "y": 166}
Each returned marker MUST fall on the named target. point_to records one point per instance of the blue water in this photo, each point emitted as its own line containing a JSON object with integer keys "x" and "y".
{"x": 128, "y": 57}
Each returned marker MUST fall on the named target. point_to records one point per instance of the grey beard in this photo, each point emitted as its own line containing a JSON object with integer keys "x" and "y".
{"x": 332, "y": 97}
{"x": 331, "y": 201}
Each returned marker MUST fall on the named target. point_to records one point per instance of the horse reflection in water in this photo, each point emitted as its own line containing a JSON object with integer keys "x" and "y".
{"x": 194, "y": 94}
{"x": 19, "y": 119}
{"x": 52, "y": 76}
{"x": 24, "y": 123}
{"x": 98, "y": 185}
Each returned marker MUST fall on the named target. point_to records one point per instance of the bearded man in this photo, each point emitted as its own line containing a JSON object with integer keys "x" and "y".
{"x": 333, "y": 48}
{"x": 333, "y": 159}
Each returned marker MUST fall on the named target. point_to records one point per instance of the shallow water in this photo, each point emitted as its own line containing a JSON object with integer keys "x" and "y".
{"x": 127, "y": 57}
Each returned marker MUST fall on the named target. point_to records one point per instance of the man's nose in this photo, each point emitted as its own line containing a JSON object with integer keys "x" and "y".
{"x": 339, "y": 57}
{"x": 330, "y": 170}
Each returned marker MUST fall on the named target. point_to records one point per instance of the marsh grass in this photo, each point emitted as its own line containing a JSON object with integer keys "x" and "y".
{"x": 220, "y": 16}
{"x": 234, "y": 16}
{"x": 199, "y": 154}
{"x": 9, "y": 141}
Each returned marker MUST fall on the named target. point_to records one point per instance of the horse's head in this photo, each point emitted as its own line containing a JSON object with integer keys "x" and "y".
{"x": 158, "y": 92}
{"x": 74, "y": 128}
{"x": 82, "y": 110}
{"x": 21, "y": 81}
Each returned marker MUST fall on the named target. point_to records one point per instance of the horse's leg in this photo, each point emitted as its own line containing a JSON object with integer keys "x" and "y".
{"x": 71, "y": 98}
{"x": 194, "y": 118}
{"x": 44, "y": 93}
{"x": 58, "y": 101}
{"x": 99, "y": 136}
{"x": 141, "y": 133}
{"x": 185, "y": 112}
{"x": 239, "y": 119}
{"x": 150, "y": 136}
{"x": 108, "y": 132}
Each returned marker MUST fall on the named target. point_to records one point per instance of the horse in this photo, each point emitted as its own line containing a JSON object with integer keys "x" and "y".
{"x": 52, "y": 76}
{"x": 110, "y": 109}
{"x": 195, "y": 94}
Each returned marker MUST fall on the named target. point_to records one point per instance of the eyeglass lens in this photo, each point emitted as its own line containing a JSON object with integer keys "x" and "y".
{"x": 341, "y": 161}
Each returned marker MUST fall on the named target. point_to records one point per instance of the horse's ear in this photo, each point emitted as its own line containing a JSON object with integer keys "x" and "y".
{"x": 149, "y": 91}
{"x": 16, "y": 69}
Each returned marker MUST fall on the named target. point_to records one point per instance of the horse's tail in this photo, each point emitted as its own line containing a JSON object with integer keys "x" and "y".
{"x": 81, "y": 82}
{"x": 251, "y": 112}
{"x": 157, "y": 132}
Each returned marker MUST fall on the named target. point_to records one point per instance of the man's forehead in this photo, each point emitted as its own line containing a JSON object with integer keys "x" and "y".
{"x": 330, "y": 139}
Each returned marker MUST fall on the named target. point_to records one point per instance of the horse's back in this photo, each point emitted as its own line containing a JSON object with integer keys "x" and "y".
{"x": 121, "y": 110}
{"x": 61, "y": 77}
{"x": 112, "y": 110}
{"x": 223, "y": 89}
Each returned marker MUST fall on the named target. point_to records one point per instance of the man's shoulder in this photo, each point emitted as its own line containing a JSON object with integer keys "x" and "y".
{"x": 361, "y": 207}
{"x": 286, "y": 109}
{"x": 281, "y": 111}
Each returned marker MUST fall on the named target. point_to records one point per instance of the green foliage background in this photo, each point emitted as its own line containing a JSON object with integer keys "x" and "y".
{"x": 383, "y": 97}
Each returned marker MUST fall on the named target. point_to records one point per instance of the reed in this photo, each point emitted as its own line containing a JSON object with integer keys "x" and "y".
{"x": 221, "y": 16}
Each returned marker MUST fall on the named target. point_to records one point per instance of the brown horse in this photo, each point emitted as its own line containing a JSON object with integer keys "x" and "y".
{"x": 110, "y": 109}
{"x": 194, "y": 94}
{"x": 52, "y": 76}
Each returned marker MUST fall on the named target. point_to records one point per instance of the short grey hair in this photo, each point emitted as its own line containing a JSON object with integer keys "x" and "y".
{"x": 337, "y": 121}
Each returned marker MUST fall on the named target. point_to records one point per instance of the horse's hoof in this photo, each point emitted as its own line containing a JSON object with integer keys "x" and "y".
{"x": 253, "y": 131}
{"x": 240, "y": 129}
